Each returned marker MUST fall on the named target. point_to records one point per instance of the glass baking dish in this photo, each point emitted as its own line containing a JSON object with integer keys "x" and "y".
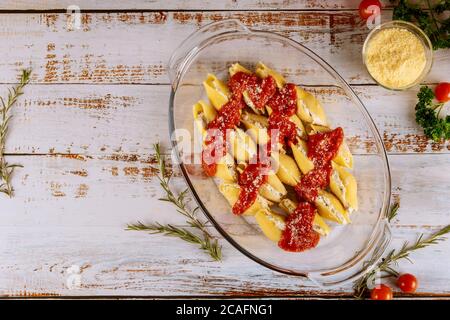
{"x": 348, "y": 251}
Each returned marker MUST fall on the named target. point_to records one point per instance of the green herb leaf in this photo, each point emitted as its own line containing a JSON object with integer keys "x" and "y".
{"x": 393, "y": 211}
{"x": 427, "y": 115}
{"x": 7, "y": 169}
{"x": 428, "y": 19}
{"x": 386, "y": 266}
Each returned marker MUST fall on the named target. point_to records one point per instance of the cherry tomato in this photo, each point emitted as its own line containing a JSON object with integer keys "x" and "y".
{"x": 442, "y": 92}
{"x": 364, "y": 11}
{"x": 407, "y": 283}
{"x": 381, "y": 292}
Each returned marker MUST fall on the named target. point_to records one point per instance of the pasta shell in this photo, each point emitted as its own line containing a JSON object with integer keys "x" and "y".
{"x": 256, "y": 126}
{"x": 288, "y": 171}
{"x": 300, "y": 152}
{"x": 343, "y": 185}
{"x": 319, "y": 224}
{"x": 271, "y": 224}
{"x": 309, "y": 108}
{"x": 273, "y": 189}
{"x": 344, "y": 157}
{"x": 242, "y": 146}
{"x": 226, "y": 169}
{"x": 231, "y": 192}
{"x": 330, "y": 208}
{"x": 204, "y": 109}
{"x": 236, "y": 67}
{"x": 216, "y": 90}
{"x": 301, "y": 130}
{"x": 263, "y": 71}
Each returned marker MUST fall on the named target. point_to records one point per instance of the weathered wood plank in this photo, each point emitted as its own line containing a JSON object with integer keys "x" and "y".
{"x": 128, "y": 119}
{"x": 78, "y": 191}
{"x": 134, "y": 47}
{"x": 179, "y": 5}
{"x": 72, "y": 211}
{"x": 116, "y": 262}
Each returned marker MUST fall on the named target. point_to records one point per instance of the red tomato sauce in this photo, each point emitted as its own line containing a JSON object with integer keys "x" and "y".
{"x": 250, "y": 180}
{"x": 259, "y": 90}
{"x": 287, "y": 130}
{"x": 228, "y": 117}
{"x": 322, "y": 148}
{"x": 299, "y": 234}
{"x": 310, "y": 184}
{"x": 284, "y": 101}
{"x": 283, "y": 104}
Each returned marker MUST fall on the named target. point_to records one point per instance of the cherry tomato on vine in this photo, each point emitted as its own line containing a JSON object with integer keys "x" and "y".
{"x": 407, "y": 283}
{"x": 442, "y": 92}
{"x": 381, "y": 292}
{"x": 364, "y": 11}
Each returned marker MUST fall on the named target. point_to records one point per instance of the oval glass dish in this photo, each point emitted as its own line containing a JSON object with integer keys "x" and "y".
{"x": 348, "y": 251}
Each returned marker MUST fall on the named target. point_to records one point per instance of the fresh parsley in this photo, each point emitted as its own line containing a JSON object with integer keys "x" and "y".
{"x": 429, "y": 19}
{"x": 427, "y": 115}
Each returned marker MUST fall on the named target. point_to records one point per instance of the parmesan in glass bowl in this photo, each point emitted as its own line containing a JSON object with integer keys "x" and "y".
{"x": 398, "y": 55}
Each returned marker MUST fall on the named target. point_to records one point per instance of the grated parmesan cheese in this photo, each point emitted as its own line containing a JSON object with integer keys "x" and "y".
{"x": 395, "y": 57}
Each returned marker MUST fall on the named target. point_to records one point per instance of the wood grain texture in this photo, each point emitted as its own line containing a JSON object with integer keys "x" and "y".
{"x": 72, "y": 211}
{"x": 179, "y": 4}
{"x": 128, "y": 119}
{"x": 103, "y": 51}
{"x": 114, "y": 262}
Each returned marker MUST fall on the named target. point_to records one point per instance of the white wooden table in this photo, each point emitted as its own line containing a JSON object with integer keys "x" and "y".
{"x": 99, "y": 99}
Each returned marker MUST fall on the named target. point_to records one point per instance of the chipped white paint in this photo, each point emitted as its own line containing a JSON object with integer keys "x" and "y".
{"x": 72, "y": 212}
{"x": 103, "y": 50}
{"x": 128, "y": 119}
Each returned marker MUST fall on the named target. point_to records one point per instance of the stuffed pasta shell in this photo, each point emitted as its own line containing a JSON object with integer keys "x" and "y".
{"x": 256, "y": 126}
{"x": 300, "y": 152}
{"x": 344, "y": 157}
{"x": 231, "y": 192}
{"x": 273, "y": 189}
{"x": 319, "y": 224}
{"x": 271, "y": 224}
{"x": 309, "y": 108}
{"x": 263, "y": 71}
{"x": 330, "y": 208}
{"x": 204, "y": 113}
{"x": 288, "y": 171}
{"x": 343, "y": 185}
{"x": 216, "y": 90}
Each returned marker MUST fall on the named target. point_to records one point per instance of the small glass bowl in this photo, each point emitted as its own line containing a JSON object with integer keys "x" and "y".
{"x": 414, "y": 30}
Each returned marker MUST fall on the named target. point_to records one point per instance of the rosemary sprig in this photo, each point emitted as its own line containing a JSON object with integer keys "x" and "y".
{"x": 387, "y": 264}
{"x": 205, "y": 240}
{"x": 6, "y": 169}
{"x": 393, "y": 211}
